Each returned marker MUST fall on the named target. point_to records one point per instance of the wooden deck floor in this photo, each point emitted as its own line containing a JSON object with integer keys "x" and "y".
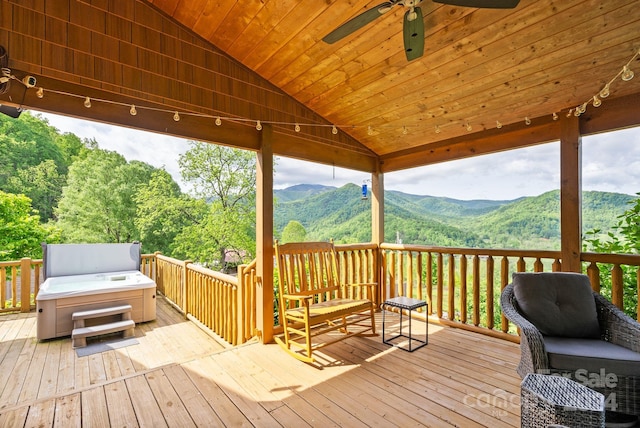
{"x": 179, "y": 376}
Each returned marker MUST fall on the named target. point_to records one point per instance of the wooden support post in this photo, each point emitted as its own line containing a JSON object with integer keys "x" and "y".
{"x": 185, "y": 288}
{"x": 570, "y": 194}
{"x": 25, "y": 284}
{"x": 264, "y": 235}
{"x": 377, "y": 228}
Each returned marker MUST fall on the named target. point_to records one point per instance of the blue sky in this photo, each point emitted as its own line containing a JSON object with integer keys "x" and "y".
{"x": 611, "y": 162}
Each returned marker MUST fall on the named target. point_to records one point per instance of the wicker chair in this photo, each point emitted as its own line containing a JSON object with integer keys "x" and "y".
{"x": 614, "y": 327}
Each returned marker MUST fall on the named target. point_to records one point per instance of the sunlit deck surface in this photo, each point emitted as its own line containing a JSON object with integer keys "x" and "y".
{"x": 179, "y": 376}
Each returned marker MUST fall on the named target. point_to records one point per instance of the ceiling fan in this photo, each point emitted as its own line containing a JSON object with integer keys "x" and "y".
{"x": 413, "y": 28}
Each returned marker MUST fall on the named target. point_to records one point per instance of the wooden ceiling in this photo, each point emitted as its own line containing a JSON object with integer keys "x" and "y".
{"x": 488, "y": 76}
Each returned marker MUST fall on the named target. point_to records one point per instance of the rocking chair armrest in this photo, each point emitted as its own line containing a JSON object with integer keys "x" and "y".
{"x": 297, "y": 297}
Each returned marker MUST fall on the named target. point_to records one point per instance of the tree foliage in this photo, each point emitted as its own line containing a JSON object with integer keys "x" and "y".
{"x": 98, "y": 205}
{"x": 20, "y": 230}
{"x": 294, "y": 231}
{"x": 623, "y": 238}
{"x": 225, "y": 178}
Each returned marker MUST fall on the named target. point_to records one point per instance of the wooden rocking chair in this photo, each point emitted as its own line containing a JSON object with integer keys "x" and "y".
{"x": 313, "y": 301}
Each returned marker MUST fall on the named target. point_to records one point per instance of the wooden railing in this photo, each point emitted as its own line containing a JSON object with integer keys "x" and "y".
{"x": 19, "y": 284}
{"x": 618, "y": 270}
{"x": 462, "y": 285}
{"x": 225, "y": 304}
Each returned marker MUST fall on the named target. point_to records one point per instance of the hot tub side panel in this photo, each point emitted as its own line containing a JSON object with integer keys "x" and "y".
{"x": 54, "y": 316}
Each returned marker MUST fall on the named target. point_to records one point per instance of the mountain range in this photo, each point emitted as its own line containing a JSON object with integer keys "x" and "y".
{"x": 342, "y": 214}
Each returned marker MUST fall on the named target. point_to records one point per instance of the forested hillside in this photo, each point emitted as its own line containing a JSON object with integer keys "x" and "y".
{"x": 56, "y": 187}
{"x": 531, "y": 222}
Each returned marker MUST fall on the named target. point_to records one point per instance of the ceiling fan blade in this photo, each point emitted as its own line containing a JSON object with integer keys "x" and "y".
{"x": 413, "y": 31}
{"x": 357, "y": 22}
{"x": 483, "y": 4}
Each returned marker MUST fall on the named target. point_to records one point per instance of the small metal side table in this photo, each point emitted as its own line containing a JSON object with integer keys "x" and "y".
{"x": 408, "y": 304}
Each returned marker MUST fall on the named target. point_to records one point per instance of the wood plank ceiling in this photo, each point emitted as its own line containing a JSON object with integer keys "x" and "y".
{"x": 481, "y": 67}
{"x": 487, "y": 75}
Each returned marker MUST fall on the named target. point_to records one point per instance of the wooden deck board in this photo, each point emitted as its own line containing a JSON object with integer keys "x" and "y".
{"x": 179, "y": 376}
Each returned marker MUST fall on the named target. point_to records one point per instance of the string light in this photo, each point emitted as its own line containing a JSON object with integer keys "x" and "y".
{"x": 625, "y": 74}
{"x": 597, "y": 102}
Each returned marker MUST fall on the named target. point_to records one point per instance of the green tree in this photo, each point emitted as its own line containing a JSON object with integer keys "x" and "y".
{"x": 225, "y": 179}
{"x": 20, "y": 230}
{"x": 43, "y": 183}
{"x": 624, "y": 238}
{"x": 294, "y": 231}
{"x": 98, "y": 204}
{"x": 164, "y": 212}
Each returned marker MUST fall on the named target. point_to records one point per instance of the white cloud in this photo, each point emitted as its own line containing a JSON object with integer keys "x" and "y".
{"x": 611, "y": 162}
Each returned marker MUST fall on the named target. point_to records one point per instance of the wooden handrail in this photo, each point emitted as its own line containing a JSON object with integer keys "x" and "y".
{"x": 461, "y": 285}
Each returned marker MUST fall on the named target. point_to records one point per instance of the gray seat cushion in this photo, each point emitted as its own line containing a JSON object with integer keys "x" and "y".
{"x": 557, "y": 303}
{"x": 593, "y": 355}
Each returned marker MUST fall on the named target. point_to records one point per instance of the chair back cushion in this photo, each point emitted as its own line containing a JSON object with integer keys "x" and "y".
{"x": 557, "y": 303}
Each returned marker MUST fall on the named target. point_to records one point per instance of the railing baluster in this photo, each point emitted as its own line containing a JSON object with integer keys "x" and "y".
{"x": 489, "y": 292}
{"x": 617, "y": 286}
{"x": 451, "y": 289}
{"x": 476, "y": 290}
{"x": 439, "y": 284}
{"x": 594, "y": 276}
{"x": 463, "y": 289}
{"x": 504, "y": 280}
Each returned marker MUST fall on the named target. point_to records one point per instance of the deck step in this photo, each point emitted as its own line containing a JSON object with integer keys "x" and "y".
{"x": 79, "y": 335}
{"x": 104, "y": 312}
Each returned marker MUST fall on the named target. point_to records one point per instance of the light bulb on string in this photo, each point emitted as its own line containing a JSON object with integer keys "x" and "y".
{"x": 583, "y": 108}
{"x": 627, "y": 73}
{"x": 176, "y": 117}
{"x": 369, "y": 130}
{"x": 40, "y": 92}
{"x": 597, "y": 102}
{"x": 498, "y": 124}
{"x": 258, "y": 126}
{"x": 604, "y": 93}
{"x": 218, "y": 121}
{"x": 296, "y": 128}
{"x": 334, "y": 130}
{"x": 576, "y": 112}
{"x": 438, "y": 129}
{"x": 87, "y": 102}
{"x": 527, "y": 121}
{"x": 132, "y": 110}
{"x": 404, "y": 130}
{"x": 570, "y": 112}
{"x": 469, "y": 128}
{"x": 555, "y": 116}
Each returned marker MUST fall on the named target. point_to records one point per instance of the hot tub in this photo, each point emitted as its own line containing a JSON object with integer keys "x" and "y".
{"x": 61, "y": 296}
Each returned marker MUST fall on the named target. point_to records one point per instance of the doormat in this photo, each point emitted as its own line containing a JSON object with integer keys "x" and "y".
{"x": 96, "y": 348}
